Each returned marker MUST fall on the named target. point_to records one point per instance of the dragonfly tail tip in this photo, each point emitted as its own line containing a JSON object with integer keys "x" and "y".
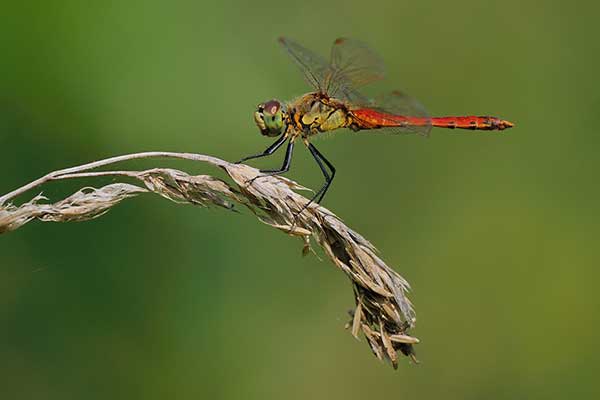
{"x": 507, "y": 124}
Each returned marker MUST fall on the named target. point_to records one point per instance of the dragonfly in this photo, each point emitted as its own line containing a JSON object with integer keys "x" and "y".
{"x": 336, "y": 103}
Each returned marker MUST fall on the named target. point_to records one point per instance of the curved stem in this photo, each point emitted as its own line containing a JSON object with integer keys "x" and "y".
{"x": 107, "y": 161}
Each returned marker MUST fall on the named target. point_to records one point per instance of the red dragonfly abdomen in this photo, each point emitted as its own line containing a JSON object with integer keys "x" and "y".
{"x": 486, "y": 123}
{"x": 368, "y": 118}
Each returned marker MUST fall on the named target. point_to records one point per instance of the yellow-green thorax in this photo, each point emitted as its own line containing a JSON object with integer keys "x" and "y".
{"x": 314, "y": 113}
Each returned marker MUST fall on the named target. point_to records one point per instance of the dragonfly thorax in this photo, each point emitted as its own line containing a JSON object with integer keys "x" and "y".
{"x": 317, "y": 112}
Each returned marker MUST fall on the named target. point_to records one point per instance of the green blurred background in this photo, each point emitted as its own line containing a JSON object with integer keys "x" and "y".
{"x": 497, "y": 233}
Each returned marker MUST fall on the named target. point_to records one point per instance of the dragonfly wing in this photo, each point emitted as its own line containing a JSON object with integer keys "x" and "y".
{"x": 353, "y": 64}
{"x": 398, "y": 106}
{"x": 354, "y": 98}
{"x": 313, "y": 66}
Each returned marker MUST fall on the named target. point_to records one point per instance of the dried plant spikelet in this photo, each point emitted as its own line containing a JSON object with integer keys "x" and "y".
{"x": 387, "y": 345}
{"x": 404, "y": 339}
{"x": 373, "y": 342}
{"x": 356, "y": 320}
{"x": 383, "y": 311}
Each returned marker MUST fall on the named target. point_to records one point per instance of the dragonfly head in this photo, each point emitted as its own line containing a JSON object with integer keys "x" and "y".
{"x": 269, "y": 118}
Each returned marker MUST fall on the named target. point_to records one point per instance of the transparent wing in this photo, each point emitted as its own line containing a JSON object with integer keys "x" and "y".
{"x": 353, "y": 98}
{"x": 313, "y": 66}
{"x": 353, "y": 64}
{"x": 409, "y": 113}
{"x": 399, "y": 103}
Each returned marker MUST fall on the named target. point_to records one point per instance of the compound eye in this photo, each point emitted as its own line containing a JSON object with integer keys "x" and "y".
{"x": 272, "y": 107}
{"x": 261, "y": 107}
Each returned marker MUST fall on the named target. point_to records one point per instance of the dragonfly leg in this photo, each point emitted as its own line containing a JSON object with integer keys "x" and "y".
{"x": 328, "y": 178}
{"x": 320, "y": 159}
{"x": 284, "y": 168}
{"x": 287, "y": 161}
{"x": 270, "y": 150}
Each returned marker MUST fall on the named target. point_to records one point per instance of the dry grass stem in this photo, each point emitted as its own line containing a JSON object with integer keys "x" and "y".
{"x": 383, "y": 312}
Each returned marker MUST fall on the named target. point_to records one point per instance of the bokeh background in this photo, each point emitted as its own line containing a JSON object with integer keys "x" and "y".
{"x": 497, "y": 233}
